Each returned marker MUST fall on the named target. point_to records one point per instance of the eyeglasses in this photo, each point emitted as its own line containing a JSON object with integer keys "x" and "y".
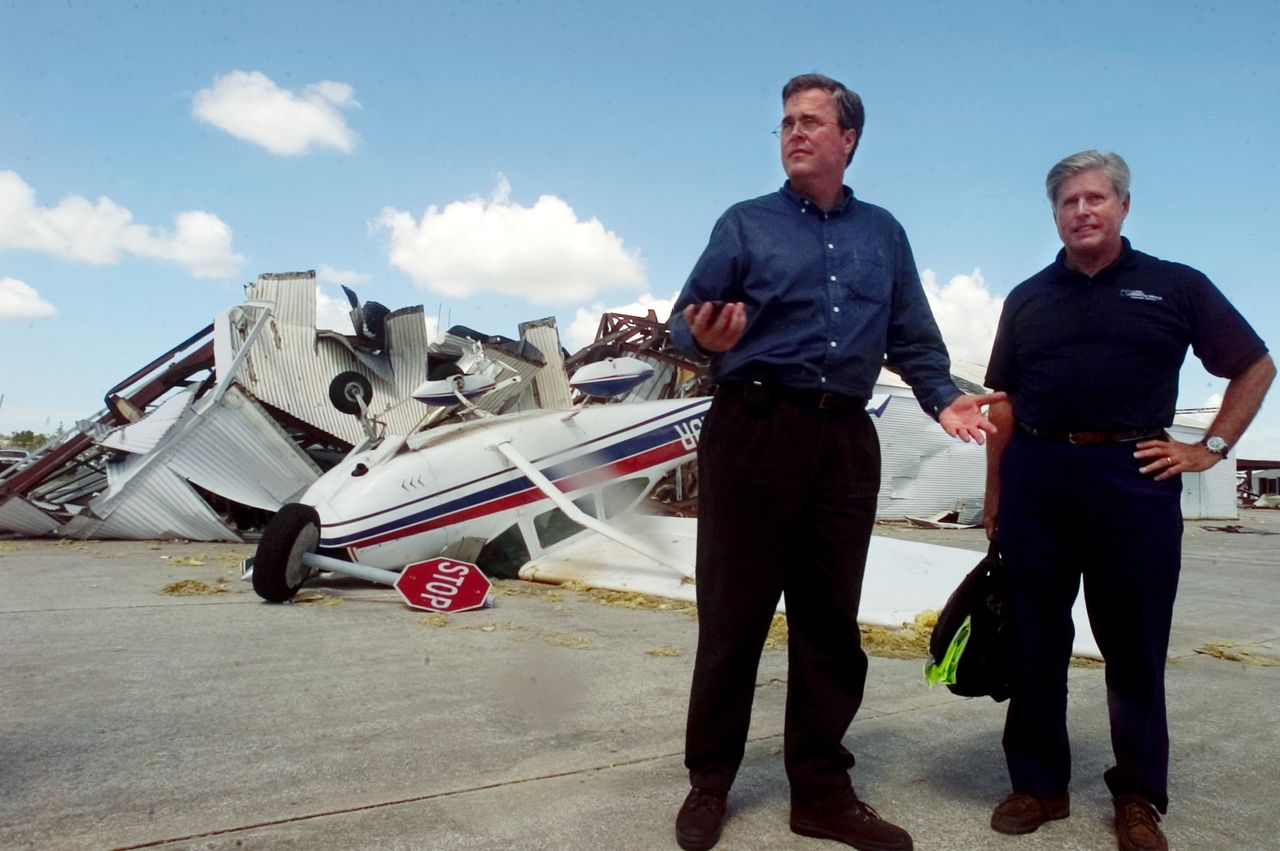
{"x": 808, "y": 125}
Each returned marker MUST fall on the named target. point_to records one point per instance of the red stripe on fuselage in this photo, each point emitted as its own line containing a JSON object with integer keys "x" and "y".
{"x": 614, "y": 469}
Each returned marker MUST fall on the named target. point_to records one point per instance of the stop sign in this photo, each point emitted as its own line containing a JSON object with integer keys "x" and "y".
{"x": 443, "y": 585}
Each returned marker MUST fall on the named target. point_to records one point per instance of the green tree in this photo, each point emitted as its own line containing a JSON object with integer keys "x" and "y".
{"x": 27, "y": 439}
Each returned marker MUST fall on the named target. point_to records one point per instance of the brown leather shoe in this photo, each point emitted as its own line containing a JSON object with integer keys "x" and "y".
{"x": 1022, "y": 813}
{"x": 857, "y": 825}
{"x": 1137, "y": 827}
{"x": 699, "y": 820}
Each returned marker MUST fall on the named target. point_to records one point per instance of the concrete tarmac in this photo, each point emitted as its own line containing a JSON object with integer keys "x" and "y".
{"x": 134, "y": 718}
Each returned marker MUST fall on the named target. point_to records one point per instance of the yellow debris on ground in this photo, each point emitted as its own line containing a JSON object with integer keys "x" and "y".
{"x": 777, "y": 637}
{"x": 317, "y": 598}
{"x": 664, "y": 650}
{"x": 630, "y": 599}
{"x": 192, "y": 588}
{"x": 184, "y": 561}
{"x": 1236, "y": 653}
{"x": 435, "y": 619}
{"x": 564, "y": 639}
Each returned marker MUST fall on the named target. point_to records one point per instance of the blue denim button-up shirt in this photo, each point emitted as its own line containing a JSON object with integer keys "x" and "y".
{"x": 830, "y": 296}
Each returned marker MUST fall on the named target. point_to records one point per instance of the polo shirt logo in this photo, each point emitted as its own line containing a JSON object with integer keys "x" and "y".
{"x": 1139, "y": 295}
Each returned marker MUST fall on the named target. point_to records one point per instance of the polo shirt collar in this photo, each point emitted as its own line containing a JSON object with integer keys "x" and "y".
{"x": 1123, "y": 260}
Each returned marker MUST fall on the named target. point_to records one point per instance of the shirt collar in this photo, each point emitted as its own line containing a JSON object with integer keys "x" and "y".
{"x": 804, "y": 204}
{"x": 1121, "y": 261}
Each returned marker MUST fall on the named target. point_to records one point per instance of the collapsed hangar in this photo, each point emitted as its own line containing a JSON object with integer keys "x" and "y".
{"x": 215, "y": 434}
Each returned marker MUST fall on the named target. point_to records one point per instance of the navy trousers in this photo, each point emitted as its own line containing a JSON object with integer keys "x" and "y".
{"x": 787, "y": 498}
{"x": 1068, "y": 511}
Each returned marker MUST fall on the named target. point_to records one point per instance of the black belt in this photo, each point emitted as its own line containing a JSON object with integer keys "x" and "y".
{"x": 805, "y": 398}
{"x": 1085, "y": 437}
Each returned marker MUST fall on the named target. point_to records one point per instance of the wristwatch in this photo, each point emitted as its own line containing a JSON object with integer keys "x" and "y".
{"x": 1216, "y": 445}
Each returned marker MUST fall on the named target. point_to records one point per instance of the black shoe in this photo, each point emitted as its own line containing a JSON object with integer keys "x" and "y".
{"x": 1021, "y": 813}
{"x": 700, "y": 819}
{"x": 857, "y": 825}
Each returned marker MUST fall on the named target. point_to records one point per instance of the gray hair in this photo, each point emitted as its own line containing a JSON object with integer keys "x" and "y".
{"x": 1112, "y": 165}
{"x": 848, "y": 105}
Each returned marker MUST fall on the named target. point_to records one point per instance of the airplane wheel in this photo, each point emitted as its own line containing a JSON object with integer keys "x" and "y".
{"x": 347, "y": 389}
{"x": 278, "y": 571}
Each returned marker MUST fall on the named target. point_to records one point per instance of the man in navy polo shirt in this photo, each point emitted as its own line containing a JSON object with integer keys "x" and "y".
{"x": 1083, "y": 479}
{"x": 798, "y": 298}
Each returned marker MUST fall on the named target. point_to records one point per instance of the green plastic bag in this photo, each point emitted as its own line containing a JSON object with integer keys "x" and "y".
{"x": 944, "y": 670}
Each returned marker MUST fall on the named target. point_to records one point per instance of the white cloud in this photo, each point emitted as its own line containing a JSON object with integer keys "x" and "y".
{"x": 250, "y": 106}
{"x": 330, "y": 275}
{"x": 99, "y": 233}
{"x": 966, "y": 312}
{"x": 19, "y": 301}
{"x": 333, "y": 314}
{"x": 582, "y": 330}
{"x": 543, "y": 253}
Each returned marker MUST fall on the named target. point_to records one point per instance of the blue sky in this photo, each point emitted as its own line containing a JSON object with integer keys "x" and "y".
{"x": 497, "y": 162}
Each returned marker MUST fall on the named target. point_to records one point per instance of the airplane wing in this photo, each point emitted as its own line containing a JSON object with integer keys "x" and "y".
{"x": 576, "y": 514}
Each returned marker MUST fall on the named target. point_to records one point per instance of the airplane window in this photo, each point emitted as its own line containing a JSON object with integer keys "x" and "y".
{"x": 587, "y": 504}
{"x": 619, "y": 496}
{"x": 554, "y": 526}
{"x": 504, "y": 555}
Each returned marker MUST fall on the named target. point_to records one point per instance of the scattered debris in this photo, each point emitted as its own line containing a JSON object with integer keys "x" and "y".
{"x": 435, "y": 619}
{"x": 630, "y": 599}
{"x": 941, "y": 520}
{"x": 192, "y": 588}
{"x": 564, "y": 639}
{"x": 184, "y": 561}
{"x": 909, "y": 641}
{"x": 777, "y": 637}
{"x": 1238, "y": 530}
{"x": 664, "y": 650}
{"x": 1237, "y": 653}
{"x": 318, "y": 598}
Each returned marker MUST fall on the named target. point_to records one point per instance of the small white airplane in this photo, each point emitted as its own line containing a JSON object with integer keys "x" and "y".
{"x": 494, "y": 489}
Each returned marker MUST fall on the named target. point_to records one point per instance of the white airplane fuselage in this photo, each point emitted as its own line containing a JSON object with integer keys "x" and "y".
{"x": 405, "y": 501}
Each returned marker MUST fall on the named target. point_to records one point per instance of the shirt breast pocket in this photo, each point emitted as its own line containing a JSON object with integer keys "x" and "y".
{"x": 871, "y": 278}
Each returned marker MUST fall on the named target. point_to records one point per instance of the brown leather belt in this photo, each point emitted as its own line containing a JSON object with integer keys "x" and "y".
{"x": 805, "y": 398}
{"x": 1089, "y": 437}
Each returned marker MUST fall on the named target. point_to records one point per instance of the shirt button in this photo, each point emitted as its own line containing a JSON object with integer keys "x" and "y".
{"x": 822, "y": 379}
{"x": 833, "y": 277}
{"x": 835, "y": 310}
{"x": 829, "y": 245}
{"x": 833, "y": 344}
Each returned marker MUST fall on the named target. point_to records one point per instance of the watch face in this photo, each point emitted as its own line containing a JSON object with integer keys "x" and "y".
{"x": 1216, "y": 444}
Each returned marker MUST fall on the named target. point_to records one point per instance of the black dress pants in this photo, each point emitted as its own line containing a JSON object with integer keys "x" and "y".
{"x": 1068, "y": 511}
{"x": 787, "y": 499}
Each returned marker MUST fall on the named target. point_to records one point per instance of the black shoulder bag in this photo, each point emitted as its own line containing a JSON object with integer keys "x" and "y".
{"x": 972, "y": 643}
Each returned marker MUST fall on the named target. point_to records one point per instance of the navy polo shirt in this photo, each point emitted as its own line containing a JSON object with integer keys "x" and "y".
{"x": 1103, "y": 352}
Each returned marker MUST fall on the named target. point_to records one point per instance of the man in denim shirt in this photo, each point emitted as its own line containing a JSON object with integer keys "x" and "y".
{"x": 798, "y": 299}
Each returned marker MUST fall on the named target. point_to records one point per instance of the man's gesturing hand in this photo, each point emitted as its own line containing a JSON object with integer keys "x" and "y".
{"x": 964, "y": 419}
{"x": 716, "y": 328}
